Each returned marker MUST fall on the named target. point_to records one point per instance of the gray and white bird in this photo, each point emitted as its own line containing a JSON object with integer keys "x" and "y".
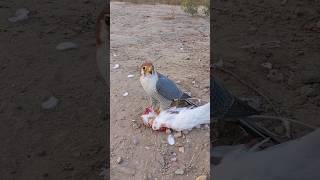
{"x": 159, "y": 88}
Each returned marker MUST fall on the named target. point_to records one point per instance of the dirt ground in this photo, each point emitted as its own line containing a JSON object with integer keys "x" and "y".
{"x": 68, "y": 141}
{"x": 285, "y": 34}
{"x": 179, "y": 47}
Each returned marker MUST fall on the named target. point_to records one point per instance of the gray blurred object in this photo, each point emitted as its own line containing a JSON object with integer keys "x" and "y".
{"x": 225, "y": 105}
{"x": 294, "y": 160}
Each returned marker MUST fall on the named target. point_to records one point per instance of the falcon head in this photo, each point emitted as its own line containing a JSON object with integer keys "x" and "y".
{"x": 146, "y": 69}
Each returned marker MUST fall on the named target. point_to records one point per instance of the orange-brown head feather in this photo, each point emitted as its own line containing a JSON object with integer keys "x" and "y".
{"x": 147, "y": 68}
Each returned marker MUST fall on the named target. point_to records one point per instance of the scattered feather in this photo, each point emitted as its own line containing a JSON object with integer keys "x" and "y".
{"x": 171, "y": 140}
{"x": 267, "y": 65}
{"x": 116, "y": 66}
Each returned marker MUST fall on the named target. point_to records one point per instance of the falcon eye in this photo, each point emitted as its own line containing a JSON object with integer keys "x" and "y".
{"x": 144, "y": 68}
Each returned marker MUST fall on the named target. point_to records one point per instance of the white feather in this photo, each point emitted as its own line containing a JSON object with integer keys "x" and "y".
{"x": 149, "y": 83}
{"x": 182, "y": 118}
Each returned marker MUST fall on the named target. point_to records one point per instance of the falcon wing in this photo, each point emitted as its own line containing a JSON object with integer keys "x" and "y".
{"x": 167, "y": 88}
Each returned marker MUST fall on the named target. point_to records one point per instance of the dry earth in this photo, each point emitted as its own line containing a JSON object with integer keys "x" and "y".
{"x": 68, "y": 141}
{"x": 284, "y": 34}
{"x": 179, "y": 48}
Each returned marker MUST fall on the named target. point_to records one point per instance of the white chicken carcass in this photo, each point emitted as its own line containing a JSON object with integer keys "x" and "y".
{"x": 179, "y": 119}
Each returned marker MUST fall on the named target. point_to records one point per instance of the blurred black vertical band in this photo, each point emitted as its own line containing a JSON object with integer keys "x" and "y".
{"x": 212, "y": 60}
{"x": 54, "y": 104}
{"x": 107, "y": 176}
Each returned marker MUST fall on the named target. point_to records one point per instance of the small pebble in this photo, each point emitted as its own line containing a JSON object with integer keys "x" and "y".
{"x": 307, "y": 91}
{"x": 130, "y": 76}
{"x": 66, "y": 46}
{"x": 135, "y": 141}
{"x": 179, "y": 172}
{"x": 202, "y": 177}
{"x": 267, "y": 65}
{"x": 275, "y": 76}
{"x": 21, "y": 14}
{"x": 171, "y": 140}
{"x": 50, "y": 103}
{"x": 116, "y": 66}
{"x": 177, "y": 134}
{"x": 173, "y": 159}
{"x": 136, "y": 125}
{"x": 68, "y": 167}
{"x": 125, "y": 94}
{"x": 119, "y": 160}
{"x": 185, "y": 132}
{"x": 162, "y": 161}
{"x": 181, "y": 149}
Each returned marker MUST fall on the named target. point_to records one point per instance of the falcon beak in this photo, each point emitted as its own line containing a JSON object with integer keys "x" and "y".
{"x": 150, "y": 69}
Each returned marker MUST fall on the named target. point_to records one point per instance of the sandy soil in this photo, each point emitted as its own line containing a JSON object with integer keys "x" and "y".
{"x": 179, "y": 48}
{"x": 67, "y": 142}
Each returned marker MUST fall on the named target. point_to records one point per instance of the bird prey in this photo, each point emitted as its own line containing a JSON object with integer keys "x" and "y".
{"x": 102, "y": 41}
{"x": 159, "y": 88}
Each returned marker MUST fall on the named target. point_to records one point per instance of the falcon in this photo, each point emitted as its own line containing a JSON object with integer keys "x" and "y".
{"x": 160, "y": 88}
